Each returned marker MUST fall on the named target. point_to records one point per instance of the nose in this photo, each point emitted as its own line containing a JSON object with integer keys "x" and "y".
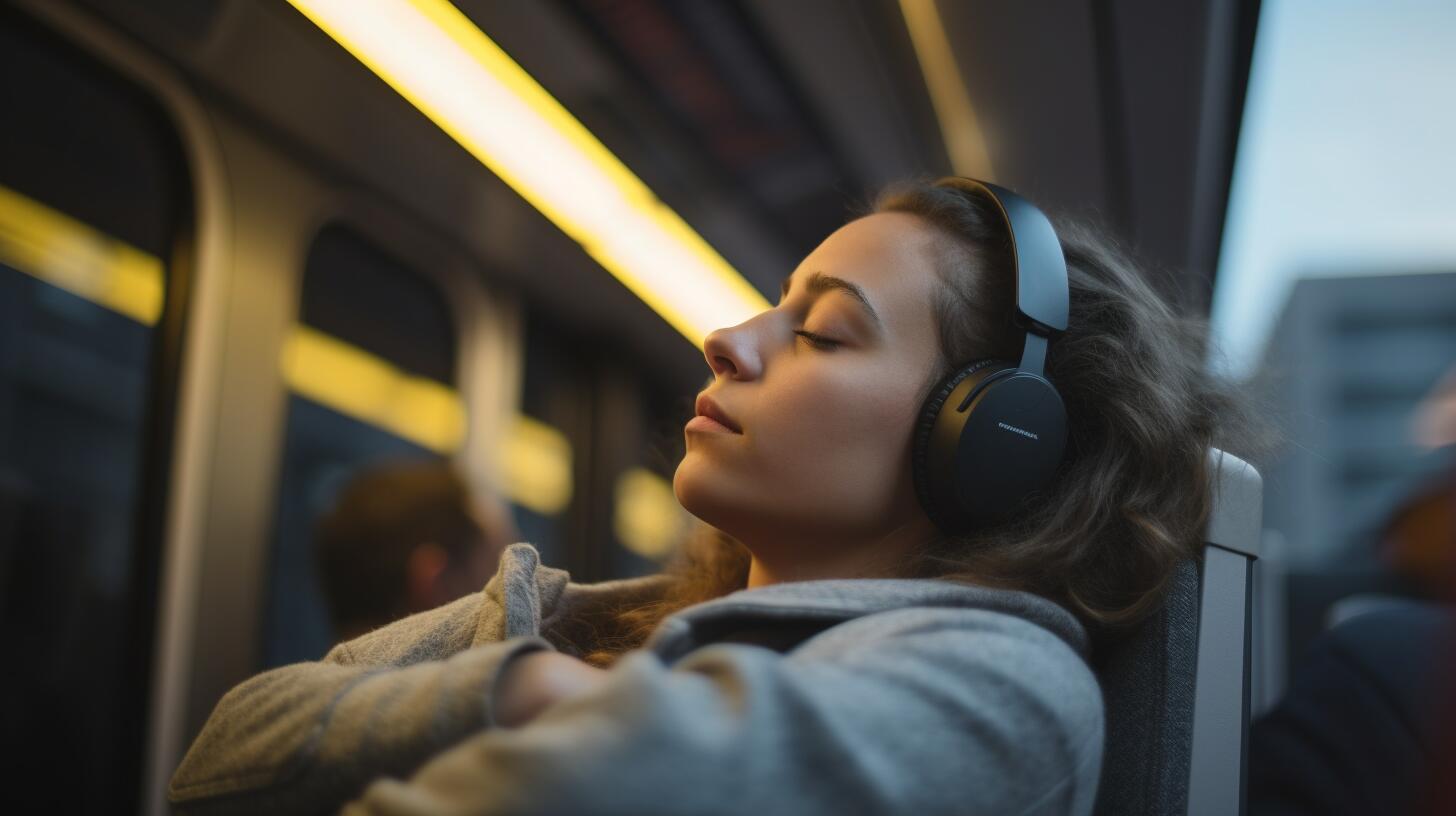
{"x": 733, "y": 352}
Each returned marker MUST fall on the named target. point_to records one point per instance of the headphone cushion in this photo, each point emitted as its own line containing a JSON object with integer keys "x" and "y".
{"x": 925, "y": 422}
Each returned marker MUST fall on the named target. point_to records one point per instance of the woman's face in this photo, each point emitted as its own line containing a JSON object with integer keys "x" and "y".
{"x": 823, "y": 453}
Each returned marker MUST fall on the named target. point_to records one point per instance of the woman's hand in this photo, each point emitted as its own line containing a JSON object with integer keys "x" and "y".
{"x": 536, "y": 680}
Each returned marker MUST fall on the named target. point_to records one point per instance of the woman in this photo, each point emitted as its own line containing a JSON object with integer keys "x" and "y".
{"x": 823, "y": 647}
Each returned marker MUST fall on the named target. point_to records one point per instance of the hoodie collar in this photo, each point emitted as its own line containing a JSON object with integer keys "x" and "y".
{"x": 832, "y": 601}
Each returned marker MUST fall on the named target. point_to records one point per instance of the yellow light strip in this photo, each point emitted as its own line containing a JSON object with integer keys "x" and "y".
{"x": 444, "y": 65}
{"x": 354, "y": 382}
{"x": 959, "y": 129}
{"x": 648, "y": 519}
{"x": 537, "y": 466}
{"x": 64, "y": 252}
{"x": 535, "y": 462}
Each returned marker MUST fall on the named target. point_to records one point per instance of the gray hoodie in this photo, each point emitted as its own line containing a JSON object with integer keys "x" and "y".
{"x": 813, "y": 697}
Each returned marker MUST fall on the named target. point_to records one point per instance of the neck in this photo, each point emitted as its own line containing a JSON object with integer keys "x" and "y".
{"x": 885, "y": 557}
{"x": 763, "y": 572}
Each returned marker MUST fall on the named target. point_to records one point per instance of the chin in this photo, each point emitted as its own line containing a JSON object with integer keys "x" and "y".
{"x": 689, "y": 488}
{"x": 706, "y": 492}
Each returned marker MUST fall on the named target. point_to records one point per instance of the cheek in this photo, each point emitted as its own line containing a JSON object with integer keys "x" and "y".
{"x": 835, "y": 426}
{"x": 827, "y": 445}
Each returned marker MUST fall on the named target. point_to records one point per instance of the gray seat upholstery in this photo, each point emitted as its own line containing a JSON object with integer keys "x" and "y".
{"x": 1177, "y": 689}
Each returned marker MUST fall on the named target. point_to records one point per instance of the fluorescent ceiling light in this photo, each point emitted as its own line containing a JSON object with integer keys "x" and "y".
{"x": 535, "y": 462}
{"x": 56, "y": 248}
{"x": 432, "y": 54}
{"x": 959, "y": 128}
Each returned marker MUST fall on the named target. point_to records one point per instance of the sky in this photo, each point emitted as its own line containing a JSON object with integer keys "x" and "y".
{"x": 1346, "y": 161}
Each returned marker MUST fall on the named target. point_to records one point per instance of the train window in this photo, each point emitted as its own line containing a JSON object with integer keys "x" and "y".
{"x": 541, "y": 470}
{"x": 370, "y": 367}
{"x": 647, "y": 521}
{"x": 619, "y": 440}
{"x": 93, "y": 206}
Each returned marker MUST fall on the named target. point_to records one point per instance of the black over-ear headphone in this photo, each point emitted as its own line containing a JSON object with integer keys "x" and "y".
{"x": 993, "y": 432}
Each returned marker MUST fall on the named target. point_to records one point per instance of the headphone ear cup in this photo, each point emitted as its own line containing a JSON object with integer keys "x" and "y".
{"x": 925, "y": 423}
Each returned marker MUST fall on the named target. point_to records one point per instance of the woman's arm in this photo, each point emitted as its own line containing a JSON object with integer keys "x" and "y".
{"x": 914, "y": 711}
{"x": 305, "y": 738}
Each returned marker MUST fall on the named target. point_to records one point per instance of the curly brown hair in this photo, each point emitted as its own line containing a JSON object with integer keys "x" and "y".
{"x": 1133, "y": 494}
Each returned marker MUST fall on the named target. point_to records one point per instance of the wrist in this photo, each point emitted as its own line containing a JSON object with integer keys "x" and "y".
{"x": 523, "y": 688}
{"x": 535, "y": 681}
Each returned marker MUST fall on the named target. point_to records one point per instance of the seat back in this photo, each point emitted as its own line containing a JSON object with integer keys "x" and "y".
{"x": 1177, "y": 689}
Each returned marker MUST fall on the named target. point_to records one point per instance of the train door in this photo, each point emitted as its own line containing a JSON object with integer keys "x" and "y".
{"x": 95, "y": 226}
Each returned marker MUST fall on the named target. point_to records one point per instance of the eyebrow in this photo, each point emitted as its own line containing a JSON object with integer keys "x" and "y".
{"x": 820, "y": 283}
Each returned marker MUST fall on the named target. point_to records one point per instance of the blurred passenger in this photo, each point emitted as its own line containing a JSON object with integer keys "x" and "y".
{"x": 1362, "y": 728}
{"x": 404, "y": 537}
{"x": 1434, "y": 425}
{"x": 1368, "y": 724}
{"x": 830, "y": 644}
{"x": 1419, "y": 539}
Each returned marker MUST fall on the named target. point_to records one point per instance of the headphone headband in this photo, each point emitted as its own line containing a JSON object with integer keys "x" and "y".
{"x": 1040, "y": 267}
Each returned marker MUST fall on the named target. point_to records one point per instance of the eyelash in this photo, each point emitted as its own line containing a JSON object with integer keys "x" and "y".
{"x": 818, "y": 341}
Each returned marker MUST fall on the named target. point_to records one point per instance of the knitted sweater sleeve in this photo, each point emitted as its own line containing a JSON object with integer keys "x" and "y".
{"x": 304, "y": 738}
{"x": 923, "y": 711}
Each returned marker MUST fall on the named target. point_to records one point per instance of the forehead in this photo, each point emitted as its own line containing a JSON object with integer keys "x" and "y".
{"x": 890, "y": 256}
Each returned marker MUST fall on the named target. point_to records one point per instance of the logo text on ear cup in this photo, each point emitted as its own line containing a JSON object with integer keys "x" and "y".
{"x": 1014, "y": 429}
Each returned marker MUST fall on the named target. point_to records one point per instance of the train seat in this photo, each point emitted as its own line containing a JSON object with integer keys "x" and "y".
{"x": 1177, "y": 689}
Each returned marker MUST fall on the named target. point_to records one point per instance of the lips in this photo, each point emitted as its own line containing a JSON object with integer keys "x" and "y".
{"x": 708, "y": 408}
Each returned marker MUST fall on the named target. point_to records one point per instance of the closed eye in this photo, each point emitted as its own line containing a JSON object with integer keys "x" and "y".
{"x": 818, "y": 341}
